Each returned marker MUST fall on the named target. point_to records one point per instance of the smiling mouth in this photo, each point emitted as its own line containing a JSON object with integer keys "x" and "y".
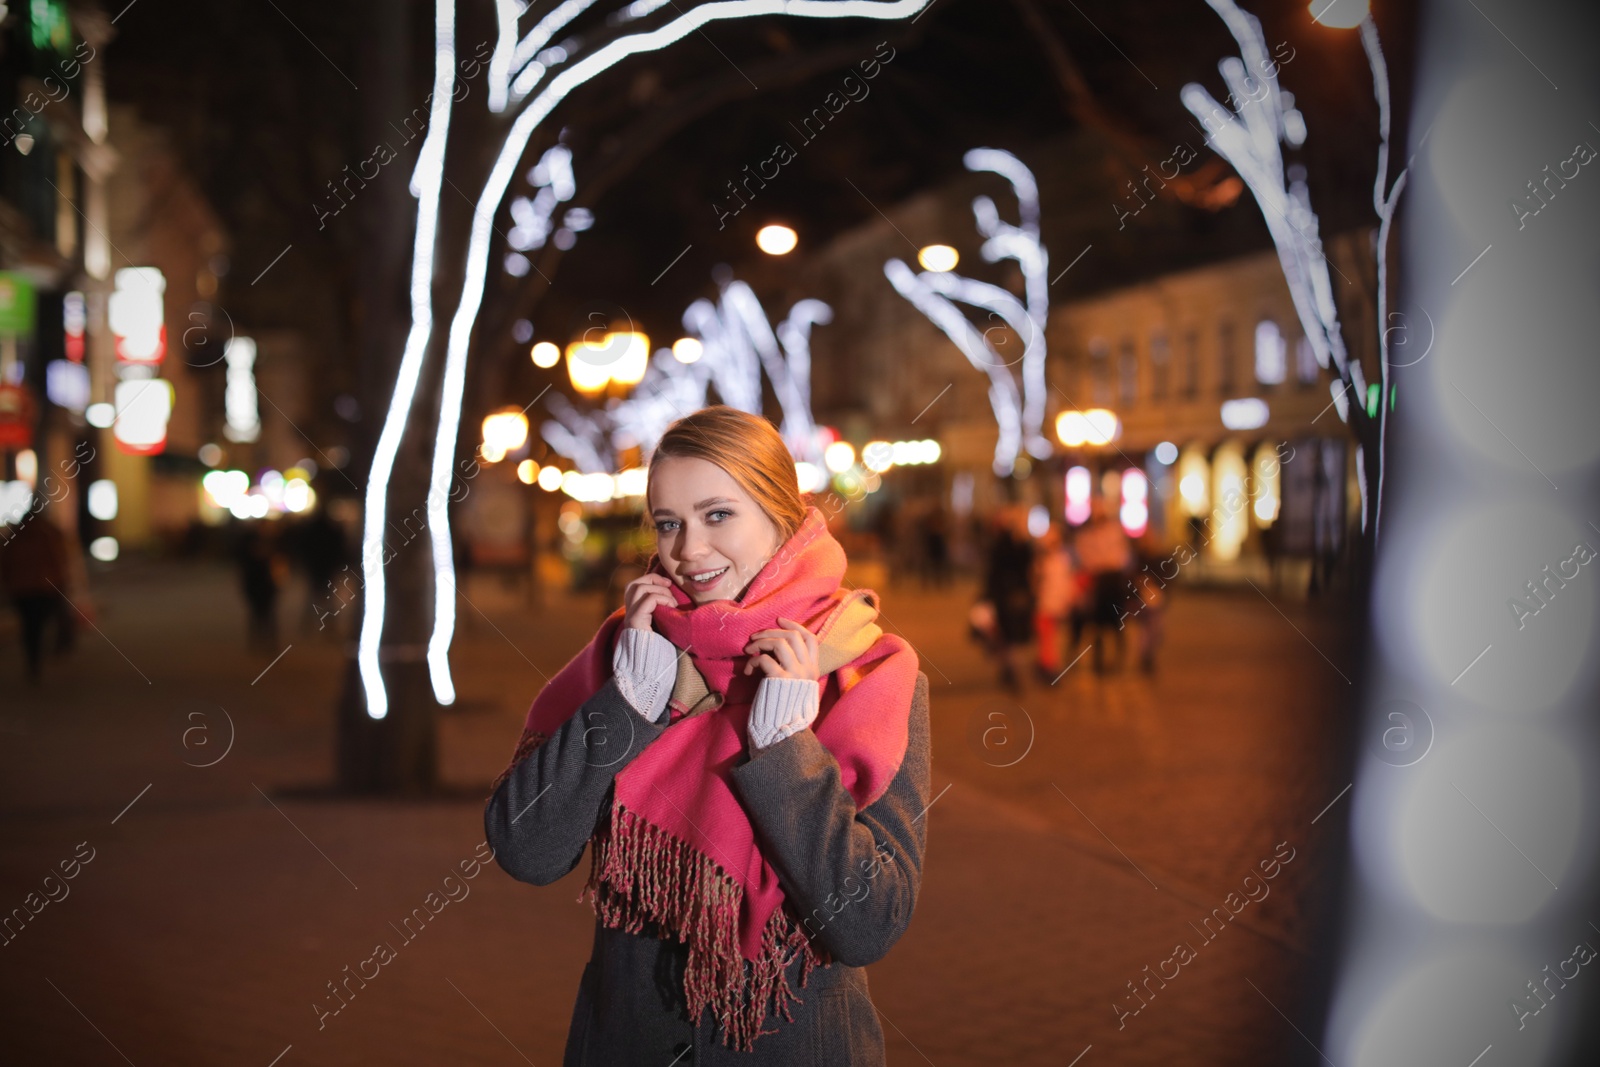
{"x": 705, "y": 579}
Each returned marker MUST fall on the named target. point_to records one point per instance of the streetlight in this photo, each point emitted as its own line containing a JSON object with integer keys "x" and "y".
{"x": 776, "y": 240}
{"x": 1096, "y": 427}
{"x": 545, "y": 355}
{"x": 620, "y": 356}
{"x": 1338, "y": 14}
{"x": 503, "y": 431}
{"x": 938, "y": 258}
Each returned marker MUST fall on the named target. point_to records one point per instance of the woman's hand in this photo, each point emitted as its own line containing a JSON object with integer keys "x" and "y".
{"x": 641, "y": 598}
{"x": 791, "y": 652}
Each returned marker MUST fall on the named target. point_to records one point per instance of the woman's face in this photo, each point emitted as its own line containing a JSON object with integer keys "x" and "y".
{"x": 707, "y": 525}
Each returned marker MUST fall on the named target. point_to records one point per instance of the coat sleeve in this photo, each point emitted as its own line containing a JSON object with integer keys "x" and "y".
{"x": 543, "y": 814}
{"x": 852, "y": 877}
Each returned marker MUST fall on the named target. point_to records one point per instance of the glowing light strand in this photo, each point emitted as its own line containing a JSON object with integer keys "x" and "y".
{"x": 554, "y": 178}
{"x": 1003, "y": 399}
{"x": 1251, "y": 140}
{"x": 1384, "y": 205}
{"x": 1019, "y": 418}
{"x": 738, "y": 343}
{"x": 537, "y": 110}
{"x": 1022, "y": 244}
{"x": 426, "y": 182}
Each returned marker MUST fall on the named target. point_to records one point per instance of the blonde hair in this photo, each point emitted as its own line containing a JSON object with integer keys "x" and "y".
{"x": 750, "y": 450}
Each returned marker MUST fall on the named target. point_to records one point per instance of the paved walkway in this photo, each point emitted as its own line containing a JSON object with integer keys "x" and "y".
{"x": 1080, "y": 834}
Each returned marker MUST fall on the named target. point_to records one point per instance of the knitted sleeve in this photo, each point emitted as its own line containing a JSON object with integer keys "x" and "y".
{"x": 852, "y": 877}
{"x": 782, "y": 707}
{"x": 543, "y": 813}
{"x": 646, "y": 666}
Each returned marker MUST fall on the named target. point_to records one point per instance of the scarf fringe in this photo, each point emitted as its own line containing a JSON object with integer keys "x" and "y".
{"x": 638, "y": 873}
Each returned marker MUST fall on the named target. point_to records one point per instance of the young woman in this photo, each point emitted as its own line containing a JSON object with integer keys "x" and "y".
{"x": 747, "y": 753}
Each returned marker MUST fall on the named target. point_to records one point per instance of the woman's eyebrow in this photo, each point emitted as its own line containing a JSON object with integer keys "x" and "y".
{"x": 698, "y": 507}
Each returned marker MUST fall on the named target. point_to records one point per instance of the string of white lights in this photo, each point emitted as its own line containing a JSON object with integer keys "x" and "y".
{"x": 426, "y": 182}
{"x": 1003, "y": 399}
{"x": 1022, "y": 244}
{"x": 1250, "y": 138}
{"x": 1384, "y": 204}
{"x": 737, "y": 343}
{"x": 1020, "y": 420}
{"x": 797, "y": 425}
{"x": 505, "y": 45}
{"x": 538, "y": 109}
{"x": 524, "y": 62}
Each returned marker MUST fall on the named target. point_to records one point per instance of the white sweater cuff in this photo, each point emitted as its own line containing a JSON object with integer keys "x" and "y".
{"x": 783, "y": 706}
{"x": 646, "y": 667}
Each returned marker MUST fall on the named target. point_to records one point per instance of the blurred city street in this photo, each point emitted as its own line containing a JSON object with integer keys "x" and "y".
{"x": 1205, "y": 387}
{"x": 1078, "y": 833}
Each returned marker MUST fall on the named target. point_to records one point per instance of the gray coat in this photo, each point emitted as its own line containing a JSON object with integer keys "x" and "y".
{"x": 852, "y": 877}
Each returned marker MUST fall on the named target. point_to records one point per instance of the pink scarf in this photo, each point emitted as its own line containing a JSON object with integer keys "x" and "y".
{"x": 678, "y": 848}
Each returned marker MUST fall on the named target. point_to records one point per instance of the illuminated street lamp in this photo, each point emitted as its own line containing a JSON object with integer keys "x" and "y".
{"x": 776, "y": 240}
{"x": 839, "y": 456}
{"x": 621, "y": 356}
{"x": 545, "y": 355}
{"x": 938, "y": 258}
{"x": 503, "y": 431}
{"x": 633, "y": 356}
{"x": 1096, "y": 427}
{"x": 1338, "y": 14}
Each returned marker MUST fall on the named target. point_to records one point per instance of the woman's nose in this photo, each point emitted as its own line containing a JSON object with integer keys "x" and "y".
{"x": 691, "y": 545}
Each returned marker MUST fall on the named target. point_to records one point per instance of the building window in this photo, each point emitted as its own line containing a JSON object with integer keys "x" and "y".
{"x": 1160, "y": 366}
{"x": 1271, "y": 354}
{"x": 1099, "y": 371}
{"x": 1225, "y": 359}
{"x": 1128, "y": 374}
{"x": 1305, "y": 361}
{"x": 1191, "y": 365}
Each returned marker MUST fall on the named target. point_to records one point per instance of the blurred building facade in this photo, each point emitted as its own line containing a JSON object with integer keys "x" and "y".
{"x": 120, "y": 367}
{"x": 1216, "y": 394}
{"x": 55, "y": 258}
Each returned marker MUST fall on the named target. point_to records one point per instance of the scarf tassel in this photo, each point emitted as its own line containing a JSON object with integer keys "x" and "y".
{"x": 639, "y": 872}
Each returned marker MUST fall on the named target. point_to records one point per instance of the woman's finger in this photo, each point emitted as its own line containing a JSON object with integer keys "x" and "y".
{"x": 787, "y": 656}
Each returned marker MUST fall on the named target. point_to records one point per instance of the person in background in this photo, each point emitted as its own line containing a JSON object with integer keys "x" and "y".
{"x": 260, "y": 576}
{"x": 1053, "y": 582}
{"x": 322, "y": 551}
{"x": 1008, "y": 586}
{"x": 1104, "y": 552}
{"x": 1148, "y": 598}
{"x": 33, "y": 573}
{"x": 935, "y": 549}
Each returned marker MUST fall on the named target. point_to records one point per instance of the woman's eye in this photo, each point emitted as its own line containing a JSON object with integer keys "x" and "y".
{"x": 722, "y": 511}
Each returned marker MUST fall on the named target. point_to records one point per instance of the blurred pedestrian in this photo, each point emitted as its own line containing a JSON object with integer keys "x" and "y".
{"x": 1104, "y": 552}
{"x": 33, "y": 573}
{"x": 936, "y": 549}
{"x": 1054, "y": 586}
{"x": 322, "y": 551}
{"x": 261, "y": 573}
{"x": 1147, "y": 600}
{"x": 1007, "y": 585}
